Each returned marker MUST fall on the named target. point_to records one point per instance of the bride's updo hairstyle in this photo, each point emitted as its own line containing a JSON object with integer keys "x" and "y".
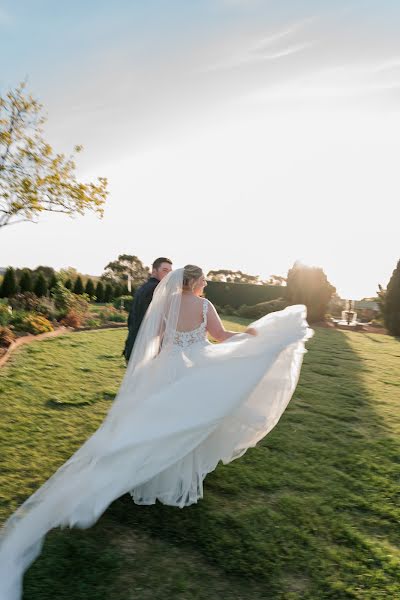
{"x": 191, "y": 274}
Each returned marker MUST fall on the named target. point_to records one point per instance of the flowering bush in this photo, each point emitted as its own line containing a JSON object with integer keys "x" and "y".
{"x": 72, "y": 319}
{"x": 6, "y": 337}
{"x": 5, "y": 314}
{"x": 18, "y": 319}
{"x": 34, "y": 323}
{"x": 28, "y": 301}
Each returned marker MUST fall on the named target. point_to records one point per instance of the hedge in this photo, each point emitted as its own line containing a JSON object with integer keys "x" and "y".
{"x": 237, "y": 294}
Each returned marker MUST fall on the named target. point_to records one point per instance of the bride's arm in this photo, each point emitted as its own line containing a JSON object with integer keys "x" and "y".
{"x": 216, "y": 329}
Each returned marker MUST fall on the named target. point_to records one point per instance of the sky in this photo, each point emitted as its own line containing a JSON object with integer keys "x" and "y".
{"x": 236, "y": 134}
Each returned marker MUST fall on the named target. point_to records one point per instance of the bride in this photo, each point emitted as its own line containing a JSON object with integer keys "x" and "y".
{"x": 184, "y": 405}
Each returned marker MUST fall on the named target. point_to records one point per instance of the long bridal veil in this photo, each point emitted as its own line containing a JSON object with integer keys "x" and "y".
{"x": 80, "y": 490}
{"x": 177, "y": 413}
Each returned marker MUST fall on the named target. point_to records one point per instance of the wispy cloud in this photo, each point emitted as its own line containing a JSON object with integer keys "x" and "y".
{"x": 275, "y": 46}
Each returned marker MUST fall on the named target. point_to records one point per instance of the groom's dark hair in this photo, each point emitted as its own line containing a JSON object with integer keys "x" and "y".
{"x": 159, "y": 261}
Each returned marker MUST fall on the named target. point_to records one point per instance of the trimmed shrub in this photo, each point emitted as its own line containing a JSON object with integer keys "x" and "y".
{"x": 78, "y": 285}
{"x": 6, "y": 337}
{"x": 25, "y": 282}
{"x": 126, "y": 301}
{"x": 391, "y": 309}
{"x": 89, "y": 288}
{"x": 9, "y": 286}
{"x": 262, "y": 308}
{"x": 99, "y": 292}
{"x": 108, "y": 293}
{"x": 41, "y": 286}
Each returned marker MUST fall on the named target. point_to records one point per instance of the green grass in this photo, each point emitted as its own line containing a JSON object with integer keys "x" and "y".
{"x": 311, "y": 513}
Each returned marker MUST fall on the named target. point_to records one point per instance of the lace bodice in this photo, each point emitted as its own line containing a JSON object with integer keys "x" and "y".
{"x": 188, "y": 338}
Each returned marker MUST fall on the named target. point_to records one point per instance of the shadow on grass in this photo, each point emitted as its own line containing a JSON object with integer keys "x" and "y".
{"x": 309, "y": 514}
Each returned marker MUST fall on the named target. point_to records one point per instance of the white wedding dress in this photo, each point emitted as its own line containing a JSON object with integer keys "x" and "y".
{"x": 184, "y": 405}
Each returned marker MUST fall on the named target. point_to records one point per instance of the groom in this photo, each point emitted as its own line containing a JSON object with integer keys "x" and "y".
{"x": 143, "y": 296}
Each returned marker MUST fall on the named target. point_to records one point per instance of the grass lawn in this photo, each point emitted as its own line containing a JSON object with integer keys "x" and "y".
{"x": 310, "y": 513}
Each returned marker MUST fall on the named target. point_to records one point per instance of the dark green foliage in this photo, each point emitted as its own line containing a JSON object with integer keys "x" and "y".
{"x": 237, "y": 294}
{"x": 48, "y": 272}
{"x": 53, "y": 282}
{"x": 391, "y": 307}
{"x": 99, "y": 293}
{"x": 78, "y": 285}
{"x": 309, "y": 286}
{"x": 263, "y": 308}
{"x": 41, "y": 285}
{"x": 89, "y": 288}
{"x": 108, "y": 293}
{"x": 68, "y": 284}
{"x": 117, "y": 290}
{"x": 9, "y": 286}
{"x": 25, "y": 282}
{"x": 126, "y": 301}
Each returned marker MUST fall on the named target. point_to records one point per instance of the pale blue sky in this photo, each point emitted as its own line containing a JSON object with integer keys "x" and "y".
{"x": 243, "y": 134}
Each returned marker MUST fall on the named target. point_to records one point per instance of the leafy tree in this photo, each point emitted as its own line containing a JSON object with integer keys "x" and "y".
{"x": 89, "y": 288}
{"x": 34, "y": 179}
{"x": 108, "y": 293}
{"x": 229, "y": 276}
{"x": 69, "y": 273}
{"x": 61, "y": 296}
{"x": 125, "y": 266}
{"x": 78, "y": 285}
{"x": 391, "y": 305}
{"x": 99, "y": 293}
{"x": 25, "y": 282}
{"x": 309, "y": 286}
{"x": 9, "y": 286}
{"x": 41, "y": 286}
{"x": 48, "y": 272}
{"x": 276, "y": 280}
{"x": 68, "y": 284}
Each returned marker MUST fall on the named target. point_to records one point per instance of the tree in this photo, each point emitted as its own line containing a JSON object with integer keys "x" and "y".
{"x": 108, "y": 293}
{"x": 99, "y": 293}
{"x": 276, "y": 280}
{"x": 53, "y": 281}
{"x": 309, "y": 286}
{"x": 48, "y": 272}
{"x": 70, "y": 273}
{"x": 89, "y": 288}
{"x": 229, "y": 276}
{"x": 25, "y": 282}
{"x": 78, "y": 285}
{"x": 32, "y": 178}
{"x": 41, "y": 287}
{"x": 9, "y": 287}
{"x": 125, "y": 266}
{"x": 391, "y": 304}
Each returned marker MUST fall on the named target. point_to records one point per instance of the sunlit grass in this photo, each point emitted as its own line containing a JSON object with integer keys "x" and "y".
{"x": 311, "y": 513}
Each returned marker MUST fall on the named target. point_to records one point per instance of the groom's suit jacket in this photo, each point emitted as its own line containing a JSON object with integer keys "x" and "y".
{"x": 140, "y": 304}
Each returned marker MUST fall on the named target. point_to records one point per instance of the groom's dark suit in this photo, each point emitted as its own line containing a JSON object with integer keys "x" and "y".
{"x": 140, "y": 304}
